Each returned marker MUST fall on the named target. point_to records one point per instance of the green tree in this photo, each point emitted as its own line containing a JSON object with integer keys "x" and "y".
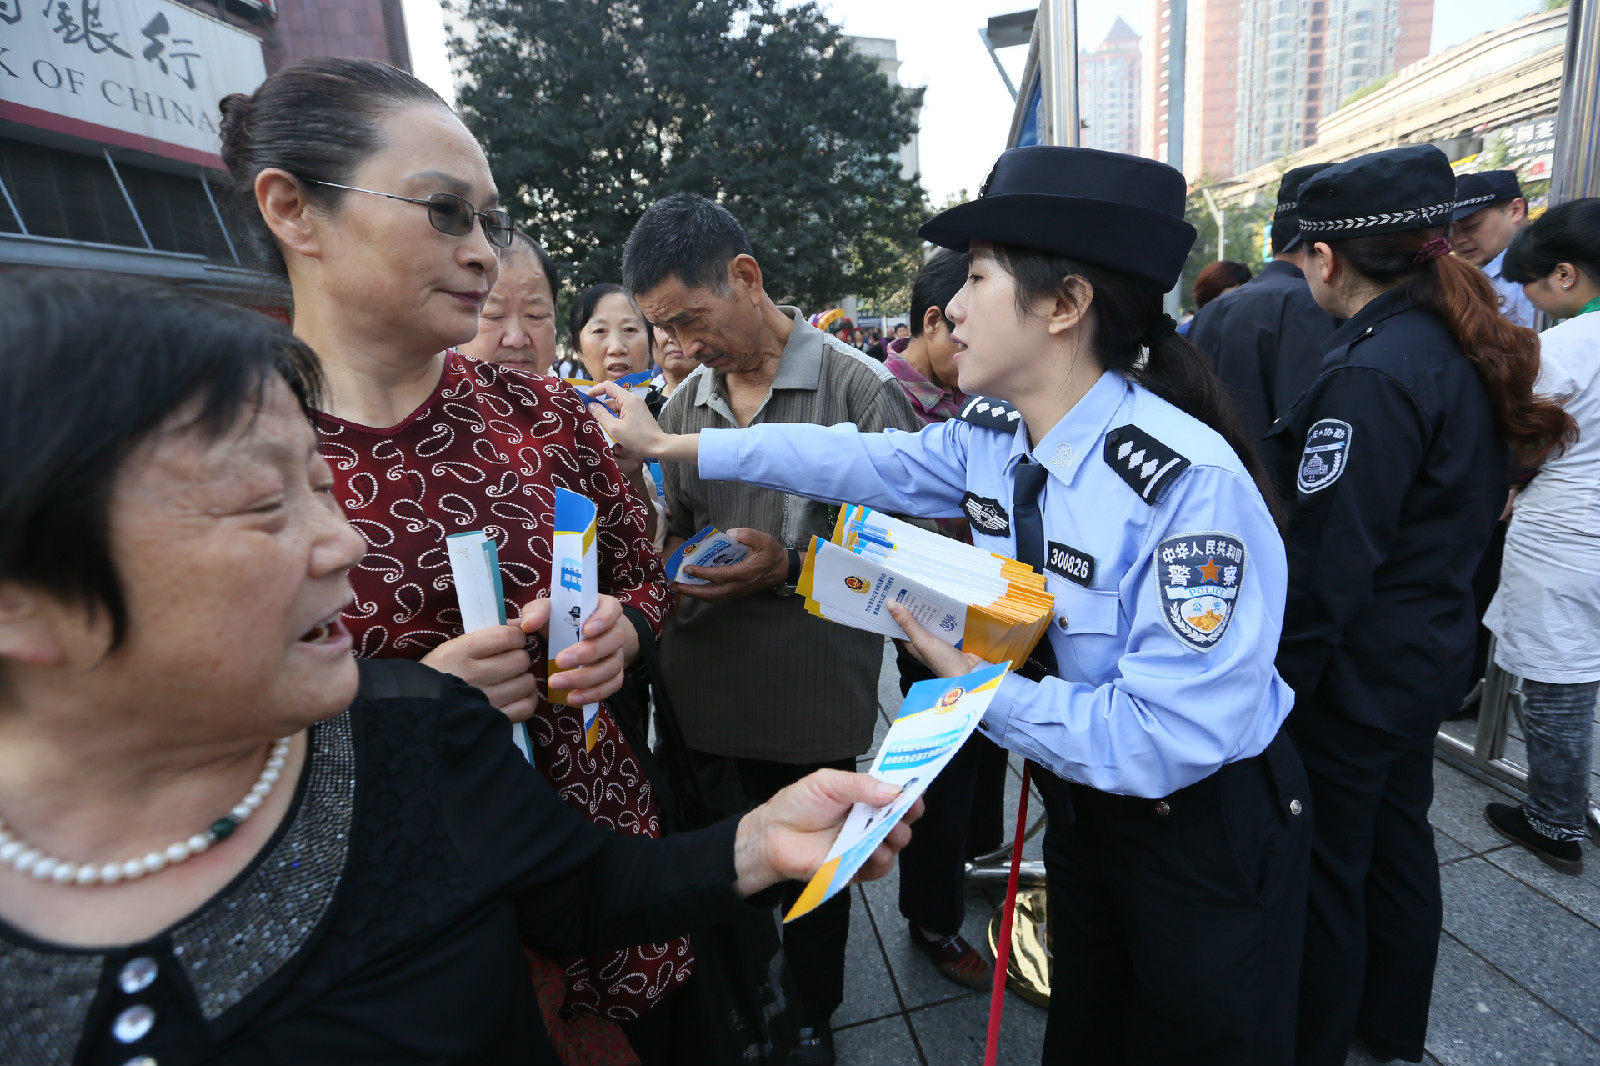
{"x": 591, "y": 110}
{"x": 1246, "y": 229}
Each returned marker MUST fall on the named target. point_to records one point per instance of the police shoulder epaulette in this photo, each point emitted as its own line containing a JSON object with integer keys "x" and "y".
{"x": 1143, "y": 462}
{"x": 990, "y": 414}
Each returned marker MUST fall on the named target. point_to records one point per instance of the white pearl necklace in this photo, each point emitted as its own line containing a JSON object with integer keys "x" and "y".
{"x": 42, "y": 867}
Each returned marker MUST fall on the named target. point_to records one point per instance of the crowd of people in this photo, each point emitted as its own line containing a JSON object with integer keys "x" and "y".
{"x": 1272, "y": 536}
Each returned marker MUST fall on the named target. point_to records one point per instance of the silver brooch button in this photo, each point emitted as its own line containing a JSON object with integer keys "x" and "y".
{"x": 1295, "y": 807}
{"x": 132, "y": 1024}
{"x": 1062, "y": 621}
{"x": 142, "y": 1060}
{"x": 137, "y": 974}
{"x": 1162, "y": 807}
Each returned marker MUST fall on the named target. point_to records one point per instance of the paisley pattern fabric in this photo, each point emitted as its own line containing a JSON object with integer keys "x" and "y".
{"x": 486, "y": 451}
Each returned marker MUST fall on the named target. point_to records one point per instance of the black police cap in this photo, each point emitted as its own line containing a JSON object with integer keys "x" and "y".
{"x": 1474, "y": 192}
{"x": 1113, "y": 210}
{"x": 1384, "y": 192}
{"x": 1286, "y": 216}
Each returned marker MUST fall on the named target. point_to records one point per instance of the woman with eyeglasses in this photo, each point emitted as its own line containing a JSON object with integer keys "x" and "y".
{"x": 378, "y": 205}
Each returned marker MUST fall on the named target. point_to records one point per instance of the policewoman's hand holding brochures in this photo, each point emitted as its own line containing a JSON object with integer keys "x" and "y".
{"x": 985, "y": 604}
{"x": 936, "y": 718}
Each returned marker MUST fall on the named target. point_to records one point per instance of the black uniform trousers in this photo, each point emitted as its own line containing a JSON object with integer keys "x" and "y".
{"x": 814, "y": 944}
{"x": 1175, "y": 924}
{"x": 962, "y": 817}
{"x": 1374, "y": 911}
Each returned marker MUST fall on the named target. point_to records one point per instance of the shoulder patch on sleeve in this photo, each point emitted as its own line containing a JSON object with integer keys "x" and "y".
{"x": 1326, "y": 453}
{"x": 1143, "y": 462}
{"x": 1198, "y": 576}
{"x": 990, "y": 414}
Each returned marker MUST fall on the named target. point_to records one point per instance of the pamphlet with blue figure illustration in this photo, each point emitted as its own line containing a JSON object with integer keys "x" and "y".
{"x": 936, "y": 718}
{"x": 574, "y": 591}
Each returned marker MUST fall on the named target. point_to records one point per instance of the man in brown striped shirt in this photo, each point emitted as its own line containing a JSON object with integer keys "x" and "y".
{"x": 753, "y": 675}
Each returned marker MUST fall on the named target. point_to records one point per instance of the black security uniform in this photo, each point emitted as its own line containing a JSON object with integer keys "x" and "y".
{"x": 1265, "y": 338}
{"x": 1396, "y": 475}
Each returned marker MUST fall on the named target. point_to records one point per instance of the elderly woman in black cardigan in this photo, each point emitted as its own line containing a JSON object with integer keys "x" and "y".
{"x": 220, "y": 840}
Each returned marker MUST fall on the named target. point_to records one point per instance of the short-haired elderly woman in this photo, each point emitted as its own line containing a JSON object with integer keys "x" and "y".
{"x": 376, "y": 203}
{"x": 222, "y": 839}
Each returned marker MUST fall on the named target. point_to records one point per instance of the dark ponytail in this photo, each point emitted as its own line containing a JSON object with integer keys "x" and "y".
{"x": 315, "y": 119}
{"x": 1506, "y": 355}
{"x": 1128, "y": 320}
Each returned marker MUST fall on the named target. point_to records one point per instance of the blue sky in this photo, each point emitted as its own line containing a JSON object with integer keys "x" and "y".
{"x": 966, "y": 111}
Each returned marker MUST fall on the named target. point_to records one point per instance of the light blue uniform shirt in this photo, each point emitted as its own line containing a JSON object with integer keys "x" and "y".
{"x": 1513, "y": 301}
{"x": 1145, "y": 703}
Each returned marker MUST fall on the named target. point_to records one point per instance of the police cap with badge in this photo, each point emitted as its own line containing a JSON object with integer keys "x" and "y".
{"x": 1474, "y": 192}
{"x": 1286, "y": 215}
{"x": 1122, "y": 212}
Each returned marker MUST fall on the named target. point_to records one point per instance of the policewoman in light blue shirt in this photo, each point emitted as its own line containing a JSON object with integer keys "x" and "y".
{"x": 1105, "y": 455}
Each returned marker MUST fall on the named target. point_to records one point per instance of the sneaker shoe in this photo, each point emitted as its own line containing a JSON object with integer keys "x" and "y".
{"x": 813, "y": 1046}
{"x": 1511, "y": 823}
{"x": 956, "y": 959}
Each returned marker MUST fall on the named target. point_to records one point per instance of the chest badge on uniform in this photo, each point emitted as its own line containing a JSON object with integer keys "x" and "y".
{"x": 1326, "y": 453}
{"x": 1199, "y": 575}
{"x": 987, "y": 515}
{"x": 1070, "y": 563}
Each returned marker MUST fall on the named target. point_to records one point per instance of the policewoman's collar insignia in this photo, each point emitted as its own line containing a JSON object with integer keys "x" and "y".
{"x": 987, "y": 515}
{"x": 1198, "y": 576}
{"x": 990, "y": 414}
{"x": 1146, "y": 464}
{"x": 1326, "y": 453}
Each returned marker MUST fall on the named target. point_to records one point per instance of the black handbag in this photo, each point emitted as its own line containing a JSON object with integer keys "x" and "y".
{"x": 741, "y": 1005}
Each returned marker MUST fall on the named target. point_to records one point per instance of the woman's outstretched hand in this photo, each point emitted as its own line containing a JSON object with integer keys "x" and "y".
{"x": 788, "y": 837}
{"x": 628, "y": 420}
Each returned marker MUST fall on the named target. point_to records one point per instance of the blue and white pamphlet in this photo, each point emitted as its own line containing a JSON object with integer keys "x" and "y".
{"x": 475, "y": 568}
{"x": 574, "y": 591}
{"x": 936, "y": 718}
{"x": 709, "y": 547}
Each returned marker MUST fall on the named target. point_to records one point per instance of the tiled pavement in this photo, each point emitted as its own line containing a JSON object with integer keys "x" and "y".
{"x": 1518, "y": 980}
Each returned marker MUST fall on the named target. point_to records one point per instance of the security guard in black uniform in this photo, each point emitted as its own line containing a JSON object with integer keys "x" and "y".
{"x": 1396, "y": 474}
{"x": 1264, "y": 339}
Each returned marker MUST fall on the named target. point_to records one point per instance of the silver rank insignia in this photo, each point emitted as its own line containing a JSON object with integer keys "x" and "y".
{"x": 1326, "y": 453}
{"x": 991, "y": 414}
{"x": 1146, "y": 464}
{"x": 1199, "y": 575}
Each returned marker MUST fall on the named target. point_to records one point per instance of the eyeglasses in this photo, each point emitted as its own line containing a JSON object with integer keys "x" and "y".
{"x": 447, "y": 212}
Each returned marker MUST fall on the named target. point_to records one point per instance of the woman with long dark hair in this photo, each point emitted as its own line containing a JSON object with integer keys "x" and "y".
{"x": 1396, "y": 460}
{"x": 1102, "y": 451}
{"x": 1547, "y": 610}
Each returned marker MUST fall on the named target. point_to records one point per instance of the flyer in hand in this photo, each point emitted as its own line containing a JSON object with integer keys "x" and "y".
{"x": 475, "y": 567}
{"x": 936, "y": 718}
{"x": 709, "y": 547}
{"x": 574, "y": 591}
{"x": 983, "y": 603}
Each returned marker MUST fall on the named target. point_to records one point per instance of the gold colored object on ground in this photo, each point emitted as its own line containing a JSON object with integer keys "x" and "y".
{"x": 1028, "y": 970}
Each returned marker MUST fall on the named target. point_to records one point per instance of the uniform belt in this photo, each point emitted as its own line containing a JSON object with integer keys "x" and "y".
{"x": 1279, "y": 759}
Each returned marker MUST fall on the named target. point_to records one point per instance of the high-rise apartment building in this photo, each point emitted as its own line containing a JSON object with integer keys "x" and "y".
{"x": 1108, "y": 91}
{"x": 1300, "y": 59}
{"x": 1257, "y": 76}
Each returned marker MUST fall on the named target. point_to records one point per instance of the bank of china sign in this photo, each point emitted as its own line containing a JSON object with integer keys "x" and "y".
{"x": 143, "y": 74}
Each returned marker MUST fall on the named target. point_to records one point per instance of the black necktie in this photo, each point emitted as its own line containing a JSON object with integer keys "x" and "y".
{"x": 1029, "y": 523}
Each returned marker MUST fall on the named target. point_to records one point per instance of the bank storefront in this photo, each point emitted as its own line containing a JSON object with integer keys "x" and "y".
{"x": 108, "y": 141}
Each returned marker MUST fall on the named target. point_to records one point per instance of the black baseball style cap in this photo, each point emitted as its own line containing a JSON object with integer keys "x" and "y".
{"x": 1383, "y": 192}
{"x": 1113, "y": 210}
{"x": 1474, "y": 192}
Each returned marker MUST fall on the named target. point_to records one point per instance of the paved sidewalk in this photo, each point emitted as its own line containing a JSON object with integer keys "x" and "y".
{"x": 1518, "y": 980}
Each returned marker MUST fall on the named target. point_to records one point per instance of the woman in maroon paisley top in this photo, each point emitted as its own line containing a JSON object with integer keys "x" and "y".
{"x": 380, "y": 208}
